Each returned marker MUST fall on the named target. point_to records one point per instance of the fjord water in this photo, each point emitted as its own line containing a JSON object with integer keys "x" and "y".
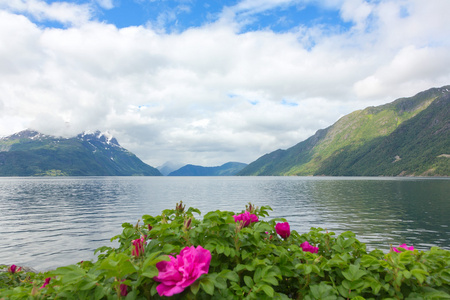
{"x": 50, "y": 222}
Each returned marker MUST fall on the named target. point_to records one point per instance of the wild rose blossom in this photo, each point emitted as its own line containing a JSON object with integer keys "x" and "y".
{"x": 283, "y": 229}
{"x": 404, "y": 246}
{"x": 180, "y": 272}
{"x": 306, "y": 247}
{"x": 13, "y": 269}
{"x": 247, "y": 218}
{"x": 47, "y": 281}
{"x": 138, "y": 249}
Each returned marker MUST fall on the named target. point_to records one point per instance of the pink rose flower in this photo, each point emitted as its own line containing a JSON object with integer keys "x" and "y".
{"x": 13, "y": 269}
{"x": 306, "y": 247}
{"x": 138, "y": 249}
{"x": 283, "y": 229}
{"x": 247, "y": 218}
{"x": 180, "y": 272}
{"x": 404, "y": 246}
{"x": 47, "y": 281}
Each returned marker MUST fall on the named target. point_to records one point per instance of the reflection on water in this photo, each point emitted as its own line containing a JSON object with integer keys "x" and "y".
{"x": 49, "y": 222}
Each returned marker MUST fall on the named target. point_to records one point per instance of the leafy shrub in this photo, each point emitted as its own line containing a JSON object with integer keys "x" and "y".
{"x": 228, "y": 256}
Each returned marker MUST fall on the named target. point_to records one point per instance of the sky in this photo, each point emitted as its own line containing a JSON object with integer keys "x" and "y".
{"x": 208, "y": 82}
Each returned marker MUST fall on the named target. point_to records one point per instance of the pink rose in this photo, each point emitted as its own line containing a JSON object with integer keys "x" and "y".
{"x": 283, "y": 229}
{"x": 404, "y": 246}
{"x": 47, "y": 281}
{"x": 247, "y": 218}
{"x": 306, "y": 247}
{"x": 180, "y": 272}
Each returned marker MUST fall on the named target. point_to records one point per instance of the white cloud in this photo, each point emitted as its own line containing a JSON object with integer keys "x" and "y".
{"x": 410, "y": 68}
{"x": 63, "y": 12}
{"x": 358, "y": 12}
{"x": 209, "y": 95}
{"x": 106, "y": 4}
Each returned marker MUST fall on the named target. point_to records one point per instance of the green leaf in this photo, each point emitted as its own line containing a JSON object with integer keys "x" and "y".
{"x": 323, "y": 292}
{"x": 195, "y": 287}
{"x": 268, "y": 290}
{"x": 430, "y": 293}
{"x": 169, "y": 249}
{"x": 257, "y": 275}
{"x": 419, "y": 274}
{"x": 349, "y": 242}
{"x": 131, "y": 295}
{"x": 150, "y": 257}
{"x": 207, "y": 285}
{"x": 99, "y": 292}
{"x": 88, "y": 285}
{"x": 220, "y": 283}
{"x": 353, "y": 273}
{"x": 376, "y": 286}
{"x": 230, "y": 275}
{"x": 307, "y": 269}
{"x": 220, "y": 249}
{"x": 369, "y": 261}
{"x": 70, "y": 274}
{"x": 150, "y": 272}
{"x": 445, "y": 275}
{"x": 248, "y": 281}
{"x": 270, "y": 279}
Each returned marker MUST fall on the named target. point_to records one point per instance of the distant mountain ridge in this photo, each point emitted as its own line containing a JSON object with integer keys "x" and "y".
{"x": 407, "y": 137}
{"x": 227, "y": 169}
{"x": 31, "y": 153}
{"x": 169, "y": 167}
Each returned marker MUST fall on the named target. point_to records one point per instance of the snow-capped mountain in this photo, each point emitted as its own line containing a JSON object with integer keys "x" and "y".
{"x": 31, "y": 153}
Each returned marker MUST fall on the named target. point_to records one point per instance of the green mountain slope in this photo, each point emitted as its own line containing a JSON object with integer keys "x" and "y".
{"x": 343, "y": 148}
{"x": 30, "y": 153}
{"x": 228, "y": 169}
{"x": 418, "y": 147}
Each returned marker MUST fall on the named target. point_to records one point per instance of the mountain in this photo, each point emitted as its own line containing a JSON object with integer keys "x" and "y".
{"x": 30, "y": 153}
{"x": 228, "y": 169}
{"x": 407, "y": 137}
{"x": 169, "y": 167}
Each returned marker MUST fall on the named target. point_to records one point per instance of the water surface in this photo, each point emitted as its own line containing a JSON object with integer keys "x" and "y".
{"x": 48, "y": 222}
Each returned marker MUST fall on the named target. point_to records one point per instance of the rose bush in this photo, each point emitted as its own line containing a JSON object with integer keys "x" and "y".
{"x": 225, "y": 255}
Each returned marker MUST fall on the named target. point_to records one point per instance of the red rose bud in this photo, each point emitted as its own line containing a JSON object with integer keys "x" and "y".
{"x": 13, "y": 269}
{"x": 47, "y": 281}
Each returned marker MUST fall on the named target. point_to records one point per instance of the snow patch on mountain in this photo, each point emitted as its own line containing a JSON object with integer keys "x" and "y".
{"x": 104, "y": 137}
{"x": 26, "y": 134}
